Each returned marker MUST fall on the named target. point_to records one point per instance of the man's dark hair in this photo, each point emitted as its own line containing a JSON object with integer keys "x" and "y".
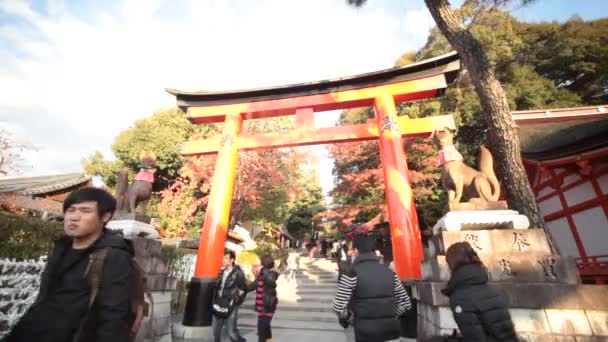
{"x": 106, "y": 203}
{"x": 231, "y": 254}
{"x": 364, "y": 244}
{"x": 267, "y": 261}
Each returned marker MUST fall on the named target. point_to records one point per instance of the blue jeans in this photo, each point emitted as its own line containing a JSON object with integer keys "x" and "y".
{"x": 227, "y": 327}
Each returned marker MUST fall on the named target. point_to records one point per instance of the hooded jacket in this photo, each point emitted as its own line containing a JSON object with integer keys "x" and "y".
{"x": 62, "y": 303}
{"x": 479, "y": 311}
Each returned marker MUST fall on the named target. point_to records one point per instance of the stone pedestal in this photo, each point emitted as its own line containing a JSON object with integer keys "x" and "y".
{"x": 156, "y": 325}
{"x": 480, "y": 220}
{"x": 133, "y": 228}
{"x": 202, "y": 334}
{"x": 542, "y": 290}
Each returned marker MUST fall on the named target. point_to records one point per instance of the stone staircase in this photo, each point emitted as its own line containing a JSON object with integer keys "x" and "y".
{"x": 304, "y": 304}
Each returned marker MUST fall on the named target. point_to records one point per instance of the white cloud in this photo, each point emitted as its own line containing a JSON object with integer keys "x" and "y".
{"x": 417, "y": 24}
{"x": 69, "y": 85}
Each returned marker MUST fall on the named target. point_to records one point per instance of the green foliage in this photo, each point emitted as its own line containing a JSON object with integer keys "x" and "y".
{"x": 407, "y": 58}
{"x": 309, "y": 201}
{"x": 511, "y": 47}
{"x": 526, "y": 90}
{"x": 24, "y": 237}
{"x": 573, "y": 55}
{"x": 538, "y": 65}
{"x": 96, "y": 164}
{"x": 162, "y": 133}
{"x": 248, "y": 258}
{"x": 266, "y": 244}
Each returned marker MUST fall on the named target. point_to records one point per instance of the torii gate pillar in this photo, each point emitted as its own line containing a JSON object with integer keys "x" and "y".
{"x": 403, "y": 220}
{"x": 215, "y": 228}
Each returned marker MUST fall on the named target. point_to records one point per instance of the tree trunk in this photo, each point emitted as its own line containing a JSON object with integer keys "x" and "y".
{"x": 502, "y": 134}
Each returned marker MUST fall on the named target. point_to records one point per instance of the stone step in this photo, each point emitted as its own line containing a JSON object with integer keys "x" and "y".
{"x": 291, "y": 306}
{"x": 292, "y": 315}
{"x": 293, "y": 324}
{"x": 316, "y": 292}
{"x": 316, "y": 281}
{"x": 307, "y": 299}
{"x": 307, "y": 274}
{"x": 322, "y": 286}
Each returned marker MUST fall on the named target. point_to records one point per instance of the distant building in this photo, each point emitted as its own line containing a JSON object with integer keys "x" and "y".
{"x": 40, "y": 196}
{"x": 565, "y": 152}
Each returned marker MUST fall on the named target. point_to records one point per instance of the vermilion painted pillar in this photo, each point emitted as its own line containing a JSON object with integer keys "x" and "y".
{"x": 215, "y": 227}
{"x": 405, "y": 234}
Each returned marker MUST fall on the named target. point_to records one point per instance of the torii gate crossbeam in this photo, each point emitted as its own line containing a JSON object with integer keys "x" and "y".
{"x": 382, "y": 90}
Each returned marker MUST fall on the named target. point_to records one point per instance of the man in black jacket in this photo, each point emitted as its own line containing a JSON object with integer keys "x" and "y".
{"x": 377, "y": 296}
{"x": 62, "y": 311}
{"x": 231, "y": 285}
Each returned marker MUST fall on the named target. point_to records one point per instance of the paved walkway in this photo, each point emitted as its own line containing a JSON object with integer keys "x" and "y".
{"x": 307, "y": 335}
{"x": 298, "y": 335}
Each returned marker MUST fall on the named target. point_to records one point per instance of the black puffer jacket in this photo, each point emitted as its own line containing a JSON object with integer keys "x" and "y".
{"x": 234, "y": 283}
{"x": 373, "y": 300}
{"x": 61, "y": 305}
{"x": 479, "y": 311}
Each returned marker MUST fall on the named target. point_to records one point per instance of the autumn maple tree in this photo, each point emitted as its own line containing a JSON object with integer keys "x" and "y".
{"x": 359, "y": 192}
{"x": 264, "y": 181}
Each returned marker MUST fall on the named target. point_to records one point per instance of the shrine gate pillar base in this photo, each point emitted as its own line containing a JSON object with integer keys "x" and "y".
{"x": 405, "y": 234}
{"x": 215, "y": 228}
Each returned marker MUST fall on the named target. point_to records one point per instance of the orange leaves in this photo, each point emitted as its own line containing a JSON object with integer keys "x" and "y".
{"x": 258, "y": 173}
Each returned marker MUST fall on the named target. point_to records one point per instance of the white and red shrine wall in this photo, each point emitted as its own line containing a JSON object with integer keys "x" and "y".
{"x": 572, "y": 194}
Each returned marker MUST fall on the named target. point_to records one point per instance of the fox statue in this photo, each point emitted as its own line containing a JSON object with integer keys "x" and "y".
{"x": 129, "y": 197}
{"x": 481, "y": 188}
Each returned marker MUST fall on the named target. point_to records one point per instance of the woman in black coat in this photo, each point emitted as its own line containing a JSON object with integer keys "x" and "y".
{"x": 480, "y": 312}
{"x": 266, "y": 300}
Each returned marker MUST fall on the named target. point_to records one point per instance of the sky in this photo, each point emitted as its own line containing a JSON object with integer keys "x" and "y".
{"x": 74, "y": 74}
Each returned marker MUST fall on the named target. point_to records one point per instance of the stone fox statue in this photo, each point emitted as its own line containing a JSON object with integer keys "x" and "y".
{"x": 480, "y": 187}
{"x": 129, "y": 197}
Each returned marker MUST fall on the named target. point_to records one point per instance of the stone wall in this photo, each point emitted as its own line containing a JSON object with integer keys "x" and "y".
{"x": 19, "y": 284}
{"x": 542, "y": 290}
{"x": 156, "y": 325}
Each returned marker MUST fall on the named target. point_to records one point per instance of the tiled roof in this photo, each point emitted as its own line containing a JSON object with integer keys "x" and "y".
{"x": 42, "y": 185}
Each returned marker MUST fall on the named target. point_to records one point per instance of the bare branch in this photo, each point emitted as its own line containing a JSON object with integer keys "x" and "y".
{"x": 11, "y": 158}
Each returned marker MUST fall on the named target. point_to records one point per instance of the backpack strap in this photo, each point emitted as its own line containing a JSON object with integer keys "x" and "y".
{"x": 94, "y": 272}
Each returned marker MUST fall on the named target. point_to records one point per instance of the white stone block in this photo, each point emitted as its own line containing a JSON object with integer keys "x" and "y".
{"x": 530, "y": 321}
{"x": 446, "y": 319}
{"x": 162, "y": 310}
{"x": 457, "y": 220}
{"x": 132, "y": 228}
{"x": 203, "y": 334}
{"x": 568, "y": 322}
{"x": 161, "y": 296}
{"x": 598, "y": 321}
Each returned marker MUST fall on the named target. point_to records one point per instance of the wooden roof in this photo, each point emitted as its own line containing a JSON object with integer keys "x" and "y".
{"x": 554, "y": 133}
{"x": 448, "y": 64}
{"x": 33, "y": 186}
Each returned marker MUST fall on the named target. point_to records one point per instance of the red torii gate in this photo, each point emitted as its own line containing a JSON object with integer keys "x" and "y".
{"x": 382, "y": 89}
